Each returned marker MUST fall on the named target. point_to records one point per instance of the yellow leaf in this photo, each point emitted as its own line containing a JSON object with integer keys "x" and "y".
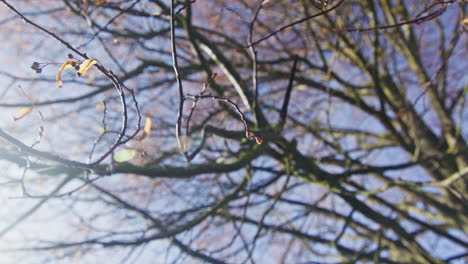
{"x": 101, "y": 2}
{"x": 258, "y": 139}
{"x": 22, "y": 112}
{"x": 66, "y": 65}
{"x": 84, "y": 67}
{"x": 124, "y": 155}
{"x": 147, "y": 128}
{"x": 465, "y": 22}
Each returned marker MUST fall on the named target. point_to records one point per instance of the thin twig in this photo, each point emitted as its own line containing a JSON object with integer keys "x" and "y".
{"x": 185, "y": 6}
{"x": 179, "y": 82}
{"x": 109, "y": 74}
{"x": 194, "y": 104}
{"x": 253, "y": 54}
{"x": 248, "y": 132}
{"x": 123, "y": 11}
{"x": 45, "y": 155}
{"x": 284, "y": 108}
{"x": 33, "y": 209}
{"x": 418, "y": 20}
{"x": 40, "y": 130}
{"x": 295, "y": 23}
{"x": 124, "y": 122}
{"x": 30, "y": 22}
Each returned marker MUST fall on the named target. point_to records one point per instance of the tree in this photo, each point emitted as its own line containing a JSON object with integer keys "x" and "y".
{"x": 235, "y": 131}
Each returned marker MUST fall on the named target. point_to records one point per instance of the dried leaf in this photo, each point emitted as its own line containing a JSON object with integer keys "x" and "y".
{"x": 36, "y": 66}
{"x": 23, "y": 111}
{"x": 101, "y": 2}
{"x": 65, "y": 66}
{"x": 124, "y": 155}
{"x": 258, "y": 139}
{"x": 85, "y": 65}
{"x": 147, "y": 128}
{"x": 249, "y": 134}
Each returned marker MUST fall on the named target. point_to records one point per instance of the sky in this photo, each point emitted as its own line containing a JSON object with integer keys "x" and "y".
{"x": 49, "y": 222}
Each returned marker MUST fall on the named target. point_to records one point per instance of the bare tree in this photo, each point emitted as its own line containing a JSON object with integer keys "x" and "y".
{"x": 147, "y": 131}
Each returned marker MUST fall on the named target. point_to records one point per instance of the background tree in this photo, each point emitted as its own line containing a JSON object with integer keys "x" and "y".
{"x": 234, "y": 131}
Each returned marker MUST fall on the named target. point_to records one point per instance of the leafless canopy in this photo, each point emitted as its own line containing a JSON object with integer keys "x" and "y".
{"x": 196, "y": 131}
